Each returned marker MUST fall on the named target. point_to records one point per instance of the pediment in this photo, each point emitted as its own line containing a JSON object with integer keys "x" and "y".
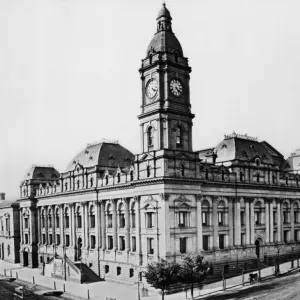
{"x": 183, "y": 206}
{"x": 146, "y": 156}
{"x": 182, "y": 198}
{"x": 182, "y": 155}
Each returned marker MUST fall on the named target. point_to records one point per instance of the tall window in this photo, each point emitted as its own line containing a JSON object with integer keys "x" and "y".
{"x": 79, "y": 217}
{"x": 285, "y": 213}
{"x": 273, "y": 179}
{"x": 243, "y": 239}
{"x": 183, "y": 219}
{"x": 221, "y": 218}
{"x": 133, "y": 216}
{"x": 133, "y": 244}
{"x": 150, "y": 136}
{"x": 296, "y": 235}
{"x": 26, "y": 239}
{"x": 285, "y": 236}
{"x": 131, "y": 175}
{"x": 274, "y": 218}
{"x": 242, "y": 218}
{"x": 149, "y": 219}
{"x": 205, "y": 213}
{"x": 43, "y": 218}
{"x": 43, "y": 238}
{"x": 67, "y": 240}
{"x": 182, "y": 170}
{"x": 257, "y": 178}
{"x": 7, "y": 224}
{"x": 121, "y": 216}
{"x": 57, "y": 218}
{"x": 92, "y": 216}
{"x": 50, "y": 218}
{"x": 109, "y": 242}
{"x": 205, "y": 242}
{"x": 50, "y": 239}
{"x": 222, "y": 241}
{"x": 121, "y": 243}
{"x": 109, "y": 216}
{"x": 296, "y": 212}
{"x": 241, "y": 177}
{"x": 67, "y": 218}
{"x": 257, "y": 216}
{"x": 178, "y": 136}
{"x": 182, "y": 245}
{"x": 57, "y": 239}
{"x": 148, "y": 171}
{"x": 26, "y": 221}
{"x": 150, "y": 246}
{"x": 204, "y": 218}
{"x": 93, "y": 242}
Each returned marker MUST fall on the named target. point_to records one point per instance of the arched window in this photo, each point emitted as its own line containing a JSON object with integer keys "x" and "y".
{"x": 182, "y": 170}
{"x": 178, "y": 135}
{"x": 150, "y": 136}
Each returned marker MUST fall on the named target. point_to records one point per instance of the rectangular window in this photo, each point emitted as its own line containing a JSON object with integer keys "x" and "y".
{"x": 149, "y": 220}
{"x": 43, "y": 238}
{"x": 67, "y": 221}
{"x": 67, "y": 240}
{"x": 26, "y": 239}
{"x": 285, "y": 236}
{"x": 296, "y": 235}
{"x": 50, "y": 239}
{"x": 121, "y": 243}
{"x": 182, "y": 245}
{"x": 243, "y": 239}
{"x": 57, "y": 239}
{"x": 93, "y": 242}
{"x": 7, "y": 224}
{"x": 109, "y": 221}
{"x": 221, "y": 241}
{"x": 205, "y": 242}
{"x": 26, "y": 222}
{"x": 243, "y": 223}
{"x": 79, "y": 223}
{"x": 183, "y": 219}
{"x": 122, "y": 220}
{"x": 92, "y": 221}
{"x": 133, "y": 244}
{"x": 296, "y": 217}
{"x": 50, "y": 221}
{"x": 285, "y": 217}
{"x": 110, "y": 242}
{"x": 275, "y": 236}
{"x": 274, "y": 218}
{"x": 57, "y": 221}
{"x": 150, "y": 242}
{"x": 257, "y": 218}
{"x": 204, "y": 218}
{"x": 133, "y": 220}
{"x": 221, "y": 218}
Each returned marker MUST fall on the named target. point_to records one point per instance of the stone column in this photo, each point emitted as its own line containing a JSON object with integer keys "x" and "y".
{"x": 53, "y": 224}
{"x": 97, "y": 224}
{"x": 215, "y": 223}
{"x": 252, "y": 221}
{"x": 61, "y": 224}
{"x": 46, "y": 225}
{"x": 86, "y": 224}
{"x": 271, "y": 221}
{"x": 230, "y": 221}
{"x": 199, "y": 223}
{"x": 267, "y": 220}
{"x": 22, "y": 226}
{"x": 279, "y": 225}
{"x": 238, "y": 222}
{"x": 292, "y": 220}
{"x": 72, "y": 224}
{"x": 103, "y": 225}
{"x": 39, "y": 225}
{"x": 138, "y": 230}
{"x": 127, "y": 224}
{"x": 114, "y": 225}
{"x": 247, "y": 215}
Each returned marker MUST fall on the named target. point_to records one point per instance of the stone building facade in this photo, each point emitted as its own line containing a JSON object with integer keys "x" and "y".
{"x": 9, "y": 230}
{"x": 116, "y": 212}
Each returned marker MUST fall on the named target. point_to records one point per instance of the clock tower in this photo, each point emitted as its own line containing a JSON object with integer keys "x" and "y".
{"x": 166, "y": 118}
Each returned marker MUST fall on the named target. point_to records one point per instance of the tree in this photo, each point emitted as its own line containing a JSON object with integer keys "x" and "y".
{"x": 161, "y": 274}
{"x": 193, "y": 270}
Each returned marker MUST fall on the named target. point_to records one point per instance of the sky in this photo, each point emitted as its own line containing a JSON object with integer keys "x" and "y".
{"x": 69, "y": 74}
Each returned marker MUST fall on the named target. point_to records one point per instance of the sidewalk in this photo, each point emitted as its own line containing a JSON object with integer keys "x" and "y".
{"x": 116, "y": 291}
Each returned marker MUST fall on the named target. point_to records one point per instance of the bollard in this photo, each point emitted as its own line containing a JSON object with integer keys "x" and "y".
{"x": 88, "y": 294}
{"x": 54, "y": 285}
{"x": 64, "y": 288}
{"x": 33, "y": 280}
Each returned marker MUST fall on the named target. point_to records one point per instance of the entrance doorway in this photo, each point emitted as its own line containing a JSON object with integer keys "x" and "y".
{"x": 259, "y": 249}
{"x": 79, "y": 246}
{"x": 25, "y": 258}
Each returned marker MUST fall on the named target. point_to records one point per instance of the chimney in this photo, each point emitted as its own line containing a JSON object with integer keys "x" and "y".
{"x": 2, "y": 196}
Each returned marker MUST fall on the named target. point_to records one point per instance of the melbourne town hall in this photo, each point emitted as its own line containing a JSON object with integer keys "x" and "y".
{"x": 113, "y": 212}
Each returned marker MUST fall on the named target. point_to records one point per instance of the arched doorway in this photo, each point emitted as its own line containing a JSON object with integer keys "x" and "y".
{"x": 259, "y": 249}
{"x": 25, "y": 257}
{"x": 79, "y": 246}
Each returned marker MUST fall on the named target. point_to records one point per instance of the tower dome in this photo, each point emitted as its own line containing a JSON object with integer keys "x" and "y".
{"x": 164, "y": 39}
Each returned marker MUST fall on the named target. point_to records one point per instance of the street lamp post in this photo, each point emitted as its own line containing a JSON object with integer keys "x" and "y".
{"x": 277, "y": 246}
{"x": 292, "y": 261}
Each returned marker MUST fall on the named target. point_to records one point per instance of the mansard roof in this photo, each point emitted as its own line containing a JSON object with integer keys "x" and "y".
{"x": 102, "y": 154}
{"x": 40, "y": 172}
{"x": 293, "y": 162}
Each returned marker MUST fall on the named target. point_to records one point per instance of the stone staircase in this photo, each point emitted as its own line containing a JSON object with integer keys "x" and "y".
{"x": 88, "y": 275}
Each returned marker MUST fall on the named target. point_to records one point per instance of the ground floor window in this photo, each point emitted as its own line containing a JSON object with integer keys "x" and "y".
{"x": 285, "y": 236}
{"x": 133, "y": 244}
{"x": 296, "y": 236}
{"x": 67, "y": 240}
{"x": 121, "y": 243}
{"x": 93, "y": 242}
{"x": 205, "y": 242}
{"x": 50, "y": 239}
{"x": 109, "y": 242}
{"x": 150, "y": 245}
{"x": 57, "y": 239}
{"x": 106, "y": 269}
{"x": 131, "y": 272}
{"x": 222, "y": 241}
{"x": 118, "y": 271}
{"x": 182, "y": 245}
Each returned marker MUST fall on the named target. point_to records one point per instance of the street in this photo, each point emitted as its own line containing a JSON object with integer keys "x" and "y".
{"x": 287, "y": 287}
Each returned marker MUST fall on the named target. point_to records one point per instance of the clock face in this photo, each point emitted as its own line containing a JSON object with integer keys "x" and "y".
{"x": 152, "y": 88}
{"x": 176, "y": 87}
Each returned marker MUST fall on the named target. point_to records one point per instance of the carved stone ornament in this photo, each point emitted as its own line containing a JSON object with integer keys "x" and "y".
{"x": 182, "y": 198}
{"x": 150, "y": 201}
{"x": 164, "y": 197}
